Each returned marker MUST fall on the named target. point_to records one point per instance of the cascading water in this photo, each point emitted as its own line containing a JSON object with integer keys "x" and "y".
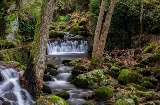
{"x": 67, "y": 47}
{"x": 10, "y": 89}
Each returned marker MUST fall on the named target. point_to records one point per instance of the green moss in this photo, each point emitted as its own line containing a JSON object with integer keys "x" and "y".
{"x": 147, "y": 85}
{"x": 148, "y": 49}
{"x": 103, "y": 93}
{"x": 88, "y": 103}
{"x": 139, "y": 65}
{"x": 157, "y": 49}
{"x": 51, "y": 65}
{"x": 144, "y": 94}
{"x": 156, "y": 72}
{"x": 63, "y": 94}
{"x": 125, "y": 102}
{"x": 4, "y": 44}
{"x": 54, "y": 72}
{"x": 127, "y": 76}
{"x": 109, "y": 65}
{"x": 75, "y": 29}
{"x": 137, "y": 86}
{"x": 143, "y": 71}
{"x": 55, "y": 34}
{"x": 57, "y": 100}
{"x": 46, "y": 89}
{"x": 72, "y": 63}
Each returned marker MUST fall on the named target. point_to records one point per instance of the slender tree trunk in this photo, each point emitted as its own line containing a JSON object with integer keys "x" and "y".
{"x": 103, "y": 37}
{"x": 34, "y": 77}
{"x": 98, "y": 27}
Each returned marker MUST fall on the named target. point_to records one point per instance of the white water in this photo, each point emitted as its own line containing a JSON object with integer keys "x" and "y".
{"x": 67, "y": 47}
{"x": 10, "y": 89}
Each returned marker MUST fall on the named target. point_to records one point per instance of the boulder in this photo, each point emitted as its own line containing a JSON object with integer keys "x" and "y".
{"x": 46, "y": 89}
{"x": 47, "y": 77}
{"x": 92, "y": 79}
{"x": 6, "y": 103}
{"x": 103, "y": 93}
{"x": 63, "y": 94}
{"x": 55, "y": 34}
{"x": 125, "y": 102}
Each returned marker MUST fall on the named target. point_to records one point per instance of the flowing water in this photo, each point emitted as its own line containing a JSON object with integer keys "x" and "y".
{"x": 10, "y": 89}
{"x": 57, "y": 52}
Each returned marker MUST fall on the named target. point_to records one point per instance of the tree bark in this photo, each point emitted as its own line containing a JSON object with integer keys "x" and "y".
{"x": 34, "y": 77}
{"x": 98, "y": 27}
{"x": 104, "y": 33}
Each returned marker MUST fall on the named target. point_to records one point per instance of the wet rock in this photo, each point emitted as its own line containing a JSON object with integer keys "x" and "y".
{"x": 6, "y": 103}
{"x": 2, "y": 99}
{"x": 103, "y": 93}
{"x": 66, "y": 61}
{"x": 54, "y": 72}
{"x": 92, "y": 79}
{"x": 63, "y": 94}
{"x": 50, "y": 65}
{"x": 78, "y": 70}
{"x": 55, "y": 34}
{"x": 10, "y": 96}
{"x": 46, "y": 89}
{"x": 23, "y": 94}
{"x": 47, "y": 77}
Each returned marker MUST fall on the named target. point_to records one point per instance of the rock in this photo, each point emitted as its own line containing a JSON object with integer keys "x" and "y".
{"x": 50, "y": 65}
{"x": 75, "y": 29}
{"x": 127, "y": 76}
{"x": 114, "y": 71}
{"x": 78, "y": 70}
{"x": 2, "y": 99}
{"x": 55, "y": 34}
{"x": 103, "y": 93}
{"x": 46, "y": 89}
{"x": 47, "y": 77}
{"x": 63, "y": 94}
{"x": 66, "y": 61}
{"x": 10, "y": 96}
{"x": 6, "y": 103}
{"x": 54, "y": 72}
{"x": 72, "y": 63}
{"x": 88, "y": 103}
{"x": 125, "y": 102}
{"x": 51, "y": 100}
{"x": 143, "y": 71}
{"x": 147, "y": 95}
{"x": 147, "y": 85}
{"x": 140, "y": 65}
{"x": 108, "y": 65}
{"x": 92, "y": 79}
{"x": 156, "y": 73}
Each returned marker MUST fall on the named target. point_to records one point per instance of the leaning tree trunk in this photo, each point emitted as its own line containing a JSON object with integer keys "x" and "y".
{"x": 33, "y": 76}
{"x": 104, "y": 33}
{"x": 98, "y": 27}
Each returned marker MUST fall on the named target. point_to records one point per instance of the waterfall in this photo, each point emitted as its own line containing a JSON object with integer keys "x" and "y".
{"x": 67, "y": 47}
{"x": 10, "y": 89}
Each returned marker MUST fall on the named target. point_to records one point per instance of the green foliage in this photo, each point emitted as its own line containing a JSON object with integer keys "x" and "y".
{"x": 103, "y": 93}
{"x": 125, "y": 102}
{"x": 55, "y": 34}
{"x": 144, "y": 94}
{"x": 148, "y": 49}
{"x": 57, "y": 100}
{"x": 4, "y": 44}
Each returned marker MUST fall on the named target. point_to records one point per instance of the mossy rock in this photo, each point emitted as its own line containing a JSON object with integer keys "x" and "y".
{"x": 154, "y": 58}
{"x": 148, "y": 49}
{"x": 147, "y": 85}
{"x": 54, "y": 72}
{"x": 137, "y": 86}
{"x": 55, "y": 34}
{"x": 63, "y": 94}
{"x": 109, "y": 65}
{"x": 53, "y": 99}
{"x": 114, "y": 71}
{"x": 75, "y": 29}
{"x": 125, "y": 102}
{"x": 4, "y": 44}
{"x": 66, "y": 61}
{"x": 88, "y": 103}
{"x": 52, "y": 27}
{"x": 124, "y": 67}
{"x": 103, "y": 93}
{"x": 144, "y": 71}
{"x": 147, "y": 95}
{"x": 127, "y": 76}
{"x": 47, "y": 77}
{"x": 127, "y": 95}
{"x": 46, "y": 89}
{"x": 72, "y": 63}
{"x": 140, "y": 65}
{"x": 50, "y": 65}
{"x": 156, "y": 73}
{"x": 92, "y": 79}
{"x": 78, "y": 70}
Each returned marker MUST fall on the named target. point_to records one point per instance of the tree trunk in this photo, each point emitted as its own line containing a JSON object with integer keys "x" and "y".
{"x": 34, "y": 77}
{"x": 103, "y": 37}
{"x": 98, "y": 27}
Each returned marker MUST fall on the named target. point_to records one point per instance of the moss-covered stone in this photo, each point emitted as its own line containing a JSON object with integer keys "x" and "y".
{"x": 54, "y": 72}
{"x": 55, "y": 34}
{"x": 147, "y": 95}
{"x": 66, "y": 61}
{"x": 147, "y": 85}
{"x": 127, "y": 76}
{"x": 47, "y": 77}
{"x": 49, "y": 100}
{"x": 72, "y": 63}
{"x": 103, "y": 93}
{"x": 63, "y": 94}
{"x": 127, "y": 95}
{"x": 88, "y": 103}
{"x": 92, "y": 79}
{"x": 75, "y": 29}
{"x": 143, "y": 71}
{"x": 137, "y": 86}
{"x": 114, "y": 71}
{"x": 156, "y": 73}
{"x": 46, "y": 89}
{"x": 140, "y": 65}
{"x": 51, "y": 65}
{"x": 78, "y": 70}
{"x": 148, "y": 49}
{"x": 109, "y": 65}
{"x": 125, "y": 102}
